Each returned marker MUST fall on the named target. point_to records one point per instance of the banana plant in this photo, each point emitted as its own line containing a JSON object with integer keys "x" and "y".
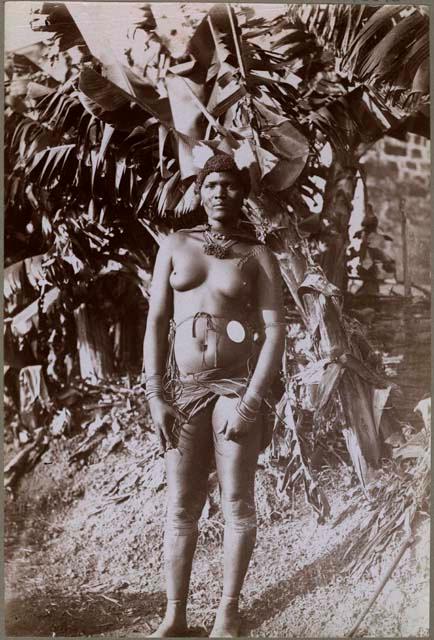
{"x": 142, "y": 134}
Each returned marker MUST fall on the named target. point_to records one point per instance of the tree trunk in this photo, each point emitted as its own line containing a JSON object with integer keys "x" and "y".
{"x": 94, "y": 348}
{"x": 338, "y": 197}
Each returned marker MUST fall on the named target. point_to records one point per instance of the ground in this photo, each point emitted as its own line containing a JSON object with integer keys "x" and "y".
{"x": 84, "y": 551}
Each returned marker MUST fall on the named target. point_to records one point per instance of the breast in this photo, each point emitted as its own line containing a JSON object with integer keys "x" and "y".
{"x": 221, "y": 277}
{"x": 185, "y": 279}
{"x": 189, "y": 271}
{"x": 225, "y": 278}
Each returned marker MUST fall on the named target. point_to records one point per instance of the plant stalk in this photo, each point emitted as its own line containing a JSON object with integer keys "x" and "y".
{"x": 406, "y": 273}
{"x": 407, "y": 542}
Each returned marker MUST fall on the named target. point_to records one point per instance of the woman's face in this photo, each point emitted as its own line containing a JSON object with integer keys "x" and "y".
{"x": 222, "y": 196}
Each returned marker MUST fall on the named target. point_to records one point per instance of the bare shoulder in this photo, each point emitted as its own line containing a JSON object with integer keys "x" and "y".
{"x": 176, "y": 240}
{"x": 268, "y": 261}
{"x": 262, "y": 256}
{"x": 187, "y": 236}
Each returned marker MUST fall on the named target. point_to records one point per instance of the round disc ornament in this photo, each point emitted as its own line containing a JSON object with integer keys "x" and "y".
{"x": 235, "y": 331}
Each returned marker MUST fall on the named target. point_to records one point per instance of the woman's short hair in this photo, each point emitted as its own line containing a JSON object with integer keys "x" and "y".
{"x": 222, "y": 162}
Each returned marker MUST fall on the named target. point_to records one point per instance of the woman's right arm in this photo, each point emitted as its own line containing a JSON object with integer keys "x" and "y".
{"x": 159, "y": 312}
{"x": 155, "y": 343}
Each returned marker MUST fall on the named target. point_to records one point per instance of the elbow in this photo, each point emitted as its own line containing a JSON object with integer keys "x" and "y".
{"x": 275, "y": 339}
{"x": 276, "y": 334}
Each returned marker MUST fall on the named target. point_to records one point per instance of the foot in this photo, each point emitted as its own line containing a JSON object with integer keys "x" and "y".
{"x": 174, "y": 624}
{"x": 227, "y": 620}
{"x": 170, "y": 629}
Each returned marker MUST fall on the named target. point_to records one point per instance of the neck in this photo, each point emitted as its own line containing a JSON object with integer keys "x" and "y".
{"x": 222, "y": 227}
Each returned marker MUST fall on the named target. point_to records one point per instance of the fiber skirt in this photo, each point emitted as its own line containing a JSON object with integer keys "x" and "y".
{"x": 191, "y": 393}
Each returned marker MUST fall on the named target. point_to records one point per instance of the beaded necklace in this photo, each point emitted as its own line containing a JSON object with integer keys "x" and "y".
{"x": 217, "y": 244}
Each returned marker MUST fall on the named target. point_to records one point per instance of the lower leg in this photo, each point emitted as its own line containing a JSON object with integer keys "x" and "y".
{"x": 236, "y": 466}
{"x": 238, "y": 548}
{"x": 187, "y": 472}
{"x": 179, "y": 548}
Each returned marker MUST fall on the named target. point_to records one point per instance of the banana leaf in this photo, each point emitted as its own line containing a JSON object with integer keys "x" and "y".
{"x": 32, "y": 388}
{"x": 353, "y": 119}
{"x": 386, "y": 57}
{"x": 377, "y": 24}
{"x": 27, "y": 271}
{"x": 188, "y": 203}
{"x": 56, "y": 19}
{"x": 202, "y": 44}
{"x": 283, "y": 175}
{"x": 51, "y": 160}
{"x": 201, "y": 152}
{"x": 374, "y": 45}
{"x": 298, "y": 466}
{"x": 223, "y": 98}
{"x": 120, "y": 81}
{"x": 105, "y": 99}
{"x": 187, "y": 117}
{"x": 424, "y": 408}
{"x": 170, "y": 194}
{"x": 149, "y": 187}
{"x": 420, "y": 82}
{"x": 240, "y": 97}
{"x": 13, "y": 279}
{"x": 28, "y": 318}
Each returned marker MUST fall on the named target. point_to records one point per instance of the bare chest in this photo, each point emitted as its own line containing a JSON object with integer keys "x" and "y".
{"x": 228, "y": 277}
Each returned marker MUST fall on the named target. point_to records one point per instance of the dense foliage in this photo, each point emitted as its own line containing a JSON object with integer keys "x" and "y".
{"x": 101, "y": 163}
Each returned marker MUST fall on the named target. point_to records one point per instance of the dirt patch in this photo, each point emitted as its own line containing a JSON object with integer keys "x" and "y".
{"x": 84, "y": 555}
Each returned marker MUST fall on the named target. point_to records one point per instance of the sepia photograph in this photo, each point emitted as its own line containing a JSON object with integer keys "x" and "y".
{"x": 217, "y": 319}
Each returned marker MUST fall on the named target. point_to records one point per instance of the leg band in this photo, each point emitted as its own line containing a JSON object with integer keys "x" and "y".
{"x": 181, "y": 521}
{"x": 239, "y": 514}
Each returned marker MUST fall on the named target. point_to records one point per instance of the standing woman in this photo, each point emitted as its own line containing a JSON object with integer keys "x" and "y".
{"x": 213, "y": 344}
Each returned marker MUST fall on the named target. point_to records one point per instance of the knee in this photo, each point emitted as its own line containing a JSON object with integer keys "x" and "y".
{"x": 183, "y": 512}
{"x": 239, "y": 511}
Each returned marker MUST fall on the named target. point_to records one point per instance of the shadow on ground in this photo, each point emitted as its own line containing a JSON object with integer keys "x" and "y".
{"x": 87, "y": 614}
{"x": 307, "y": 579}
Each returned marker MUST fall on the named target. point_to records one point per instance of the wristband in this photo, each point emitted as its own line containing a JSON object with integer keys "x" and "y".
{"x": 247, "y": 413}
{"x": 153, "y": 385}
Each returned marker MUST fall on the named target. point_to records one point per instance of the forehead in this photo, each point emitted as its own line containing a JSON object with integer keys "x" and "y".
{"x": 221, "y": 177}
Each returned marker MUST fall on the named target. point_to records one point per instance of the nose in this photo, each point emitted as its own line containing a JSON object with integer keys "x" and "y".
{"x": 220, "y": 190}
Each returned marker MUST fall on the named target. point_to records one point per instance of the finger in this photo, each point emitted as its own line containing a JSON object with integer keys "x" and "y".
{"x": 161, "y": 441}
{"x": 166, "y": 433}
{"x": 178, "y": 415}
{"x": 174, "y": 429}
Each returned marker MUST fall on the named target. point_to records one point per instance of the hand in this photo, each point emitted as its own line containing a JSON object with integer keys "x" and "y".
{"x": 236, "y": 428}
{"x": 164, "y": 416}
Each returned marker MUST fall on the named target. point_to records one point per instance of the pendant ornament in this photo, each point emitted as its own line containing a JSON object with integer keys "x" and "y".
{"x": 235, "y": 331}
{"x": 217, "y": 244}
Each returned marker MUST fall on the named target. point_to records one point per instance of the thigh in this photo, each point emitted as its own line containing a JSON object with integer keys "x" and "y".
{"x": 187, "y": 466}
{"x": 235, "y": 461}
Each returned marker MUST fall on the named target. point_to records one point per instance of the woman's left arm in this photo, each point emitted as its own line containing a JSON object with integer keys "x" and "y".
{"x": 271, "y": 315}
